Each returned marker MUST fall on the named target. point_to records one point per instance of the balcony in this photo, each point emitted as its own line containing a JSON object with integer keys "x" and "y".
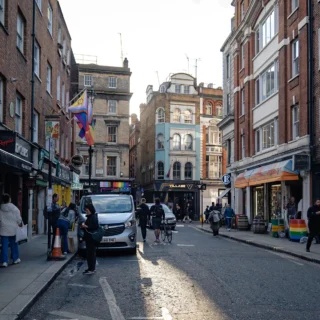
{"x": 226, "y": 121}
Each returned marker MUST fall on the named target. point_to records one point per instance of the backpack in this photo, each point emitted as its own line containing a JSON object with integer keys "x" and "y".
{"x": 159, "y": 212}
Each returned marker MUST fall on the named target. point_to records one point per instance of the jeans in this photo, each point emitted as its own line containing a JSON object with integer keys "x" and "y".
{"x": 63, "y": 226}
{"x": 5, "y": 249}
{"x": 54, "y": 223}
{"x": 228, "y": 220}
{"x": 91, "y": 254}
{"x": 143, "y": 231}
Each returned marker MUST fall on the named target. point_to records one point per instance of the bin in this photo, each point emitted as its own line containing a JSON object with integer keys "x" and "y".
{"x": 242, "y": 222}
{"x": 258, "y": 226}
{"x": 297, "y": 229}
{"x": 277, "y": 226}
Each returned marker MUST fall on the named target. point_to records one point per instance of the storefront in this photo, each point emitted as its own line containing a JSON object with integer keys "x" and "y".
{"x": 264, "y": 191}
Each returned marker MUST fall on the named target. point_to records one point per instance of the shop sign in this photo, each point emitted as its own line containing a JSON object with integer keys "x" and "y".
{"x": 77, "y": 186}
{"x": 301, "y": 162}
{"x": 99, "y": 171}
{"x": 226, "y": 179}
{"x": 77, "y": 160}
{"x": 42, "y": 155}
{"x": 52, "y": 129}
{"x": 75, "y": 177}
{"x": 10, "y": 142}
{"x": 64, "y": 173}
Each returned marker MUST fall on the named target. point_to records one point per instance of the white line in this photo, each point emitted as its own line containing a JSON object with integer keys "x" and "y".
{"x": 180, "y": 225}
{"x": 166, "y": 314}
{"x": 185, "y": 245}
{"x": 299, "y": 264}
{"x": 146, "y": 318}
{"x": 115, "y": 311}
{"x": 81, "y": 285}
{"x": 71, "y": 315}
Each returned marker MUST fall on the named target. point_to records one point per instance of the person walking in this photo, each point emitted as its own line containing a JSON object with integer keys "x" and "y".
{"x": 144, "y": 216}
{"x": 228, "y": 215}
{"x": 313, "y": 223}
{"x": 10, "y": 219}
{"x": 207, "y": 213}
{"x": 90, "y": 226}
{"x": 66, "y": 219}
{"x": 178, "y": 212}
{"x": 291, "y": 209}
{"x": 158, "y": 215}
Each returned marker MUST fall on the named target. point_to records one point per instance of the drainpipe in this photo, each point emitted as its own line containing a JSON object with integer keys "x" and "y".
{"x": 310, "y": 85}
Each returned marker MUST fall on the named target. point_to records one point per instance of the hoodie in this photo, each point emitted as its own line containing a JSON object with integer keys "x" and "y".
{"x": 10, "y": 218}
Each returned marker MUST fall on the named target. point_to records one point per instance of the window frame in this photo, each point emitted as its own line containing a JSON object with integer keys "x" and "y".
{"x": 243, "y": 146}
{"x": 115, "y": 106}
{"x": 242, "y": 12}
{"x": 295, "y": 57}
{"x": 176, "y": 170}
{"x": 37, "y": 57}
{"x": 295, "y": 122}
{"x": 160, "y": 144}
{"x": 176, "y": 115}
{"x": 17, "y": 115}
{"x": 219, "y": 110}
{"x": 63, "y": 89}
{"x": 2, "y": 12}
{"x": 1, "y": 98}
{"x": 160, "y": 115}
{"x": 209, "y": 106}
{"x": 176, "y": 86}
{"x": 186, "y": 89}
{"x": 87, "y": 78}
{"x": 242, "y": 56}
{"x": 114, "y": 166}
{"x": 49, "y": 78}
{"x": 36, "y": 116}
{"x": 189, "y": 170}
{"x": 112, "y": 134}
{"x": 243, "y": 105}
{"x": 228, "y": 103}
{"x": 58, "y": 87}
{"x": 176, "y": 144}
{"x": 50, "y": 18}
{"x": 160, "y": 176}
{"x": 111, "y": 84}
{"x": 188, "y": 145}
{"x": 39, "y": 4}
{"x": 294, "y": 5}
{"x": 264, "y": 145}
{"x": 228, "y": 66}
{"x": 85, "y": 165}
{"x": 20, "y": 32}
{"x": 188, "y": 117}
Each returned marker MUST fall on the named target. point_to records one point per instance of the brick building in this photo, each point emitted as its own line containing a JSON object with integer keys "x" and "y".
{"x": 24, "y": 156}
{"x": 265, "y": 124}
{"x": 211, "y": 152}
{"x": 110, "y": 87}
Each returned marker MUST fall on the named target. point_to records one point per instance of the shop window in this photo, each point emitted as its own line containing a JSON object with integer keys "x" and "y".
{"x": 275, "y": 200}
{"x": 176, "y": 115}
{"x": 177, "y": 171}
{"x": 176, "y": 142}
{"x": 258, "y": 202}
{"x": 160, "y": 170}
{"x": 160, "y": 115}
{"x": 188, "y": 171}
{"x": 111, "y": 166}
{"x": 160, "y": 141}
{"x": 85, "y": 166}
{"x": 188, "y": 142}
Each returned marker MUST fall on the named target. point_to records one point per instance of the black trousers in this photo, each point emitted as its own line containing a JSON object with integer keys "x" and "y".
{"x": 312, "y": 234}
{"x": 91, "y": 254}
{"x": 143, "y": 231}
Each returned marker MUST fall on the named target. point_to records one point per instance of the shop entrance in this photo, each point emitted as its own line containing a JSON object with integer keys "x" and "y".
{"x": 184, "y": 200}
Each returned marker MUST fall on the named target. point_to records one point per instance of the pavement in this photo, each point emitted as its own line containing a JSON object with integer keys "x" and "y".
{"x": 266, "y": 241}
{"x": 22, "y": 284}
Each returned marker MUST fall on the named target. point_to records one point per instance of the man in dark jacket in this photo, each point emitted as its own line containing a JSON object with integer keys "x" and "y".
{"x": 313, "y": 222}
{"x": 144, "y": 216}
{"x": 291, "y": 209}
{"x": 158, "y": 216}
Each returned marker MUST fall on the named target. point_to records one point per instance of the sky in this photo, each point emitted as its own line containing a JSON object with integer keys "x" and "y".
{"x": 157, "y": 37}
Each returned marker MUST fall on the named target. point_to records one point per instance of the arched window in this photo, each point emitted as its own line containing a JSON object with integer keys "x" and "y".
{"x": 176, "y": 142}
{"x": 160, "y": 171}
{"x": 177, "y": 171}
{"x": 219, "y": 110}
{"x": 160, "y": 141}
{"x": 188, "y": 116}
{"x": 209, "y": 108}
{"x": 188, "y": 171}
{"x": 188, "y": 142}
{"x": 176, "y": 115}
{"x": 160, "y": 115}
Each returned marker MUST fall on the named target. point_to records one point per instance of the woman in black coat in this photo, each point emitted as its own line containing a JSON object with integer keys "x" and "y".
{"x": 90, "y": 226}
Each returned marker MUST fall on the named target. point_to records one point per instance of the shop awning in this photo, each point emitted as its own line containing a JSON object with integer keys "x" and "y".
{"x": 279, "y": 171}
{"x": 242, "y": 179}
{"x": 14, "y": 161}
{"x": 224, "y": 193}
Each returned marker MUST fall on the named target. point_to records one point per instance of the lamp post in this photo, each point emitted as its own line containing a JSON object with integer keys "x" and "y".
{"x": 201, "y": 187}
{"x": 90, "y": 150}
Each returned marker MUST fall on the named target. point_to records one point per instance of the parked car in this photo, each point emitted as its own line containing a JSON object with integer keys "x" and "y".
{"x": 116, "y": 215}
{"x": 172, "y": 221}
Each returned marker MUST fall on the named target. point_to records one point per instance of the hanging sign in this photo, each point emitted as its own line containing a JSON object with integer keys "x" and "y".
{"x": 52, "y": 129}
{"x": 77, "y": 160}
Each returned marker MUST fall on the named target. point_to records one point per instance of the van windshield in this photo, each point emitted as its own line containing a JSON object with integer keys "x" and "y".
{"x": 120, "y": 204}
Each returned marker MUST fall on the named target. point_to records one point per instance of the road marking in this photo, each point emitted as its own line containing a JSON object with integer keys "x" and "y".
{"x": 81, "y": 285}
{"x": 70, "y": 315}
{"x": 173, "y": 231}
{"x": 166, "y": 314}
{"x": 180, "y": 225}
{"x": 145, "y": 318}
{"x": 115, "y": 311}
{"x": 185, "y": 245}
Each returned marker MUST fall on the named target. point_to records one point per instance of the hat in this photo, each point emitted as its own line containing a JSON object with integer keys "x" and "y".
{"x": 143, "y": 200}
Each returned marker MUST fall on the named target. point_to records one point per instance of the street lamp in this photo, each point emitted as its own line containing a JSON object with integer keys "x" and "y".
{"x": 90, "y": 150}
{"x": 201, "y": 187}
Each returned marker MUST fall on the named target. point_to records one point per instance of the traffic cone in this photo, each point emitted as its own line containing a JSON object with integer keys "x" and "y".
{"x": 56, "y": 252}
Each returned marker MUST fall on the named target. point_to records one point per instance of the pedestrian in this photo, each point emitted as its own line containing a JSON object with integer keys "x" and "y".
{"x": 158, "y": 216}
{"x": 10, "y": 219}
{"x": 313, "y": 222}
{"x": 188, "y": 212}
{"x": 207, "y": 213}
{"x": 228, "y": 215}
{"x": 90, "y": 226}
{"x": 214, "y": 219}
{"x": 144, "y": 216}
{"x": 212, "y": 207}
{"x": 178, "y": 212}
{"x": 66, "y": 219}
{"x": 291, "y": 209}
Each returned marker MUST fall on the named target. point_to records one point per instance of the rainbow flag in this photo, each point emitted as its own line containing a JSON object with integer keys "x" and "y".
{"x": 81, "y": 105}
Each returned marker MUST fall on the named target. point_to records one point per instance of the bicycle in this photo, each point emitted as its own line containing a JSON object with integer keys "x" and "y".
{"x": 166, "y": 232}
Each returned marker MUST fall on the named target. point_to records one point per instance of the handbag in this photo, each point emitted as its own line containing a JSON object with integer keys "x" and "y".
{"x": 22, "y": 233}
{"x": 98, "y": 235}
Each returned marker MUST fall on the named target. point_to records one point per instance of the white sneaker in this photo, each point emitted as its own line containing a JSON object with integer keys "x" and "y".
{"x": 4, "y": 265}
{"x": 17, "y": 261}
